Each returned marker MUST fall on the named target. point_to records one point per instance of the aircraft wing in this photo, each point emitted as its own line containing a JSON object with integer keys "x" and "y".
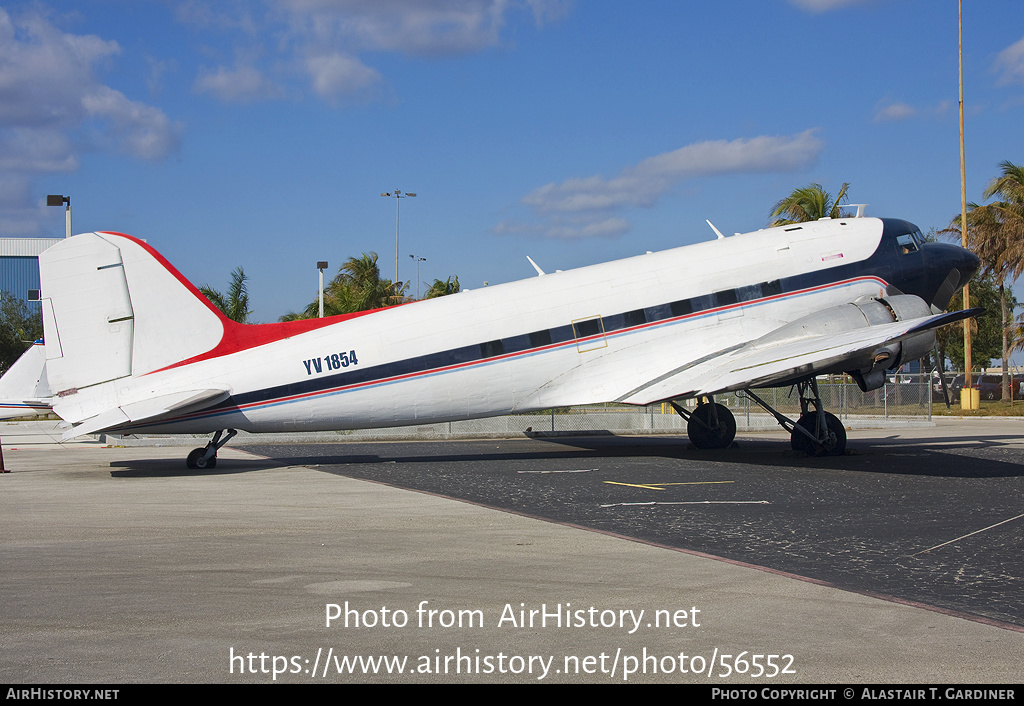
{"x": 777, "y": 363}
{"x": 150, "y": 410}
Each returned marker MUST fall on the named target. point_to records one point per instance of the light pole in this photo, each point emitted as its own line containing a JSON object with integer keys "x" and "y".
{"x": 58, "y": 200}
{"x": 397, "y": 196}
{"x": 418, "y": 261}
{"x": 321, "y": 265}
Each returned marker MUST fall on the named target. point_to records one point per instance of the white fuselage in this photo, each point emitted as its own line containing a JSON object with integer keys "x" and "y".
{"x": 470, "y": 355}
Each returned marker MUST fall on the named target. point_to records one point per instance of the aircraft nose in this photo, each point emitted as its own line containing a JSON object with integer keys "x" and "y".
{"x": 952, "y": 267}
{"x": 969, "y": 264}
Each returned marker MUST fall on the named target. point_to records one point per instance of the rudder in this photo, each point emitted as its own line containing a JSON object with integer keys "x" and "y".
{"x": 113, "y": 308}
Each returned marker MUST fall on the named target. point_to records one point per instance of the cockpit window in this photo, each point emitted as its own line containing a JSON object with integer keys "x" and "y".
{"x": 908, "y": 243}
{"x": 908, "y": 236}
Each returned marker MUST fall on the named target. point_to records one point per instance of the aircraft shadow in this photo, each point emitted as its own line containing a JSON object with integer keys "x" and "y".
{"x": 175, "y": 468}
{"x": 891, "y": 455}
{"x": 988, "y": 457}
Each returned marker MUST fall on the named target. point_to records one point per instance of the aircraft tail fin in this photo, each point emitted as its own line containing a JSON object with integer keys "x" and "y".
{"x": 113, "y": 309}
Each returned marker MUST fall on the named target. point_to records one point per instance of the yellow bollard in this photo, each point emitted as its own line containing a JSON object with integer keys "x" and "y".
{"x": 970, "y": 398}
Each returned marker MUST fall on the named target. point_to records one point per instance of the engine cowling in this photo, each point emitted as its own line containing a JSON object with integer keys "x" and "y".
{"x": 901, "y": 307}
{"x": 869, "y": 371}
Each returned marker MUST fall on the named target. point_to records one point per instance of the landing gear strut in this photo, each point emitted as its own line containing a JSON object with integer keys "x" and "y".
{"x": 816, "y": 433}
{"x": 206, "y": 457}
{"x": 710, "y": 425}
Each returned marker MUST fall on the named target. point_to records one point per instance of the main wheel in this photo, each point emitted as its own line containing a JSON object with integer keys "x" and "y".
{"x": 706, "y": 435}
{"x": 195, "y": 459}
{"x": 833, "y": 443}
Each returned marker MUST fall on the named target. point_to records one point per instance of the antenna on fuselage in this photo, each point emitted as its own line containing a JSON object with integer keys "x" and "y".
{"x": 540, "y": 272}
{"x": 717, "y": 232}
{"x": 861, "y": 207}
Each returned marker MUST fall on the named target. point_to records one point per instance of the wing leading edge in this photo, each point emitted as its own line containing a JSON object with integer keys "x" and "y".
{"x": 772, "y": 362}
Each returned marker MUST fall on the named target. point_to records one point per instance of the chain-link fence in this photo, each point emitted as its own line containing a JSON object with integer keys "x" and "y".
{"x": 908, "y": 397}
{"x": 902, "y": 399}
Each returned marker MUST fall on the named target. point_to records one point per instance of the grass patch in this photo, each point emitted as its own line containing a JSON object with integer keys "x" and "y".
{"x": 996, "y": 408}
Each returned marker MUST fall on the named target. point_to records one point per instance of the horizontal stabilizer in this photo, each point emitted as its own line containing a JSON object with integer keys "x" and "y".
{"x": 150, "y": 410}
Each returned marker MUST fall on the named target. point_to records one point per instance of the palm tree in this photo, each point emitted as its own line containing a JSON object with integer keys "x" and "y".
{"x": 358, "y": 286}
{"x": 443, "y": 287}
{"x": 985, "y": 329}
{"x": 995, "y": 232}
{"x": 235, "y": 304}
{"x": 808, "y": 204}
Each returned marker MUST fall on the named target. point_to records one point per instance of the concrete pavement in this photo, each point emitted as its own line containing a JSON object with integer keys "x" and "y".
{"x": 120, "y": 565}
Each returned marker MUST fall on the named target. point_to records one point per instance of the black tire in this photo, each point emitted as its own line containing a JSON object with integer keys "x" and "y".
{"x": 798, "y": 441}
{"x": 195, "y": 459}
{"x": 834, "y": 443}
{"x": 704, "y": 435}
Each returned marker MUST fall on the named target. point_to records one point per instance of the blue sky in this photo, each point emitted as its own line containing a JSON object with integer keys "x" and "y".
{"x": 262, "y": 133}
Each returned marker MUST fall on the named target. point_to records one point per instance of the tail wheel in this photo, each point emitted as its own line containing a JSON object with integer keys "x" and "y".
{"x": 831, "y": 443}
{"x": 704, "y": 433}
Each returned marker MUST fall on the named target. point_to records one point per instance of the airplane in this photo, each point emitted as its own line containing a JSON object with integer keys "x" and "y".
{"x": 132, "y": 346}
{"x": 23, "y": 388}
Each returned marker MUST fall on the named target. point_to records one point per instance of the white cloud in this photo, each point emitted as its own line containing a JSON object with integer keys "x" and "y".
{"x": 324, "y": 41}
{"x": 644, "y": 183}
{"x": 567, "y": 228}
{"x": 53, "y": 105}
{"x": 826, "y": 5}
{"x": 581, "y": 207}
{"x": 242, "y": 84}
{"x": 219, "y": 15}
{"x": 35, "y": 151}
{"x": 606, "y": 228}
{"x": 894, "y": 111}
{"x": 1010, "y": 63}
{"x": 135, "y": 128}
{"x": 427, "y": 28}
{"x": 549, "y": 10}
{"x": 19, "y": 213}
{"x": 43, "y": 71}
{"x": 337, "y": 75}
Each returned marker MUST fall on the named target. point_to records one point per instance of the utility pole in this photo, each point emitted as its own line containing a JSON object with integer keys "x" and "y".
{"x": 963, "y": 195}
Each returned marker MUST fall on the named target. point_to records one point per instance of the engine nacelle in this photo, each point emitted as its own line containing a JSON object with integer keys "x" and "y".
{"x": 869, "y": 372}
{"x": 900, "y": 307}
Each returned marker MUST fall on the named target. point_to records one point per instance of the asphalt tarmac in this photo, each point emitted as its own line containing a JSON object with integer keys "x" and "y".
{"x": 912, "y": 516}
{"x": 898, "y": 563}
